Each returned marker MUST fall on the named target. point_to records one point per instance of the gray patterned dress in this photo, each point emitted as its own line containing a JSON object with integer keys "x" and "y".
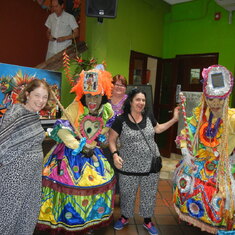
{"x": 21, "y": 155}
{"x": 137, "y": 158}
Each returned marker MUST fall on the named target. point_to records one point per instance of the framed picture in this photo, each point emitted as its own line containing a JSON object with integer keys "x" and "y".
{"x": 13, "y": 79}
{"x": 148, "y": 90}
{"x": 195, "y": 76}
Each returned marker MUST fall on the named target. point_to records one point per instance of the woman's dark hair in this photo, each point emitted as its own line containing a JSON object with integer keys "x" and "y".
{"x": 131, "y": 94}
{"x": 120, "y": 78}
{"x": 35, "y": 83}
{"x": 103, "y": 101}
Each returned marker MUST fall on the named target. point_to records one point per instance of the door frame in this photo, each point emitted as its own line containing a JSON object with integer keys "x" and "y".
{"x": 177, "y": 63}
{"x": 169, "y": 134}
{"x": 138, "y": 55}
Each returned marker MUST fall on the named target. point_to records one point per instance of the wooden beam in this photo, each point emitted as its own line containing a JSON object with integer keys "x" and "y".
{"x": 56, "y": 62}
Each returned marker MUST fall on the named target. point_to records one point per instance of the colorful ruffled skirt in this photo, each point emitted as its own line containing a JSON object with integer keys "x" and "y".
{"x": 77, "y": 193}
{"x": 196, "y": 196}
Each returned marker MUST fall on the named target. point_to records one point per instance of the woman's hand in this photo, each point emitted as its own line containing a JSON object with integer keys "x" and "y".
{"x": 117, "y": 161}
{"x": 61, "y": 39}
{"x": 176, "y": 113}
{"x": 159, "y": 128}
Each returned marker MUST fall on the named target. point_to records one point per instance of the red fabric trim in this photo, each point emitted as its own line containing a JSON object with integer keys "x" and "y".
{"x": 63, "y": 231}
{"x": 196, "y": 223}
{"x": 78, "y": 191}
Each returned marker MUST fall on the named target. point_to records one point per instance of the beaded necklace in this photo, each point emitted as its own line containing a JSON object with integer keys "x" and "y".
{"x": 212, "y": 131}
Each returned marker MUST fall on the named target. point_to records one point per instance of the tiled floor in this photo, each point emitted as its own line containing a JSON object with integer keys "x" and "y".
{"x": 165, "y": 217}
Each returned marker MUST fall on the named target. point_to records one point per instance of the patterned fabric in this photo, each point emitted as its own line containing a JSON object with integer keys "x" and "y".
{"x": 148, "y": 189}
{"x": 137, "y": 158}
{"x": 136, "y": 154}
{"x": 118, "y": 108}
{"x": 195, "y": 188}
{"x": 78, "y": 191}
{"x": 21, "y": 156}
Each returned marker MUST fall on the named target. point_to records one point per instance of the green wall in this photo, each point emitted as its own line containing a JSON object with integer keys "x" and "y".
{"x": 190, "y": 28}
{"x": 156, "y": 28}
{"x": 138, "y": 26}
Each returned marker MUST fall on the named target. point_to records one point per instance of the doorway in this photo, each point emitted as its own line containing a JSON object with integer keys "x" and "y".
{"x": 182, "y": 73}
{"x": 168, "y": 77}
{"x": 143, "y": 70}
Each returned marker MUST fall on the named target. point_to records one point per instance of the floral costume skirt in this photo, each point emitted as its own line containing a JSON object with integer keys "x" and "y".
{"x": 196, "y": 196}
{"x": 78, "y": 192}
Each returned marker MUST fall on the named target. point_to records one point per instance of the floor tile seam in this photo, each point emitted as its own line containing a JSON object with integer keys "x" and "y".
{"x": 177, "y": 226}
{"x": 174, "y": 219}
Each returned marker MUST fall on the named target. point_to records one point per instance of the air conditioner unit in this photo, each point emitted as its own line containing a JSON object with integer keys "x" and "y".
{"x": 229, "y": 5}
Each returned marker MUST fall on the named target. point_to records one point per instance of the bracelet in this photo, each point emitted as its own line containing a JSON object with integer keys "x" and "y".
{"x": 115, "y": 152}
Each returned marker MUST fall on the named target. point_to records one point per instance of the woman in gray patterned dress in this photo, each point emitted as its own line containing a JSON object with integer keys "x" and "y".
{"x": 134, "y": 157}
{"x": 21, "y": 155}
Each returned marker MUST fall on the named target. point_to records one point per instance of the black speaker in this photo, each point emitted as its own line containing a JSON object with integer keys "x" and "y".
{"x": 101, "y": 8}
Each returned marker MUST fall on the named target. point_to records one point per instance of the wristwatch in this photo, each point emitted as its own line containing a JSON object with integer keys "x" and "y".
{"x": 115, "y": 152}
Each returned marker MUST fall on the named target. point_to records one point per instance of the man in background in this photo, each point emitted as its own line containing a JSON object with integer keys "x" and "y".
{"x": 62, "y": 28}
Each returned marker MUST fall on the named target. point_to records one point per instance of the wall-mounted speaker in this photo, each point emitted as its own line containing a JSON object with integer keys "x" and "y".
{"x": 101, "y": 8}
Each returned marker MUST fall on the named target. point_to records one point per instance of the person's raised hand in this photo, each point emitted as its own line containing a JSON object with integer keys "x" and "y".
{"x": 176, "y": 113}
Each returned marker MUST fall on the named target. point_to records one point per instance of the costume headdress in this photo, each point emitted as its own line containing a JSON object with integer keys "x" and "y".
{"x": 94, "y": 82}
{"x": 217, "y": 82}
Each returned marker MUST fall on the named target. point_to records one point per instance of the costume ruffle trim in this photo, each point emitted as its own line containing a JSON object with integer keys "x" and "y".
{"x": 62, "y": 230}
{"x": 196, "y": 223}
{"x": 60, "y": 124}
{"x": 106, "y": 110}
{"x": 79, "y": 191}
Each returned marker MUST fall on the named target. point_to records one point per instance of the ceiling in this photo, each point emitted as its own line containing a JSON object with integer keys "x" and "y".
{"x": 176, "y": 1}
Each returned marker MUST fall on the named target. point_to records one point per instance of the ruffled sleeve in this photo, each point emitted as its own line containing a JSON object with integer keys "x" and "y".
{"x": 108, "y": 113}
{"x": 64, "y": 123}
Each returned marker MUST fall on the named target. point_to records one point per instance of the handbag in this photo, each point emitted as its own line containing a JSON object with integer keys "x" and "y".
{"x": 156, "y": 164}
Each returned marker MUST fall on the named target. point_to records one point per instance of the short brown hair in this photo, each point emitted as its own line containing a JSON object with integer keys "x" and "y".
{"x": 35, "y": 83}
{"x": 120, "y": 78}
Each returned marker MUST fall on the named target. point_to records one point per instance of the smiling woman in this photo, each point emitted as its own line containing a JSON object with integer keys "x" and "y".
{"x": 135, "y": 129}
{"x": 118, "y": 94}
{"x": 35, "y": 96}
{"x": 21, "y": 136}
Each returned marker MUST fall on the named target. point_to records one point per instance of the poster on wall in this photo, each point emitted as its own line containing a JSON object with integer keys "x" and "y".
{"x": 13, "y": 79}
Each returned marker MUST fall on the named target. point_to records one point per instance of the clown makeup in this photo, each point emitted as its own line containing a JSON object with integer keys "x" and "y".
{"x": 93, "y": 102}
{"x": 216, "y": 106}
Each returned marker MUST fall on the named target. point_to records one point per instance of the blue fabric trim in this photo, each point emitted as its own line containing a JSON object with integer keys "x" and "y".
{"x": 80, "y": 147}
{"x": 223, "y": 232}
